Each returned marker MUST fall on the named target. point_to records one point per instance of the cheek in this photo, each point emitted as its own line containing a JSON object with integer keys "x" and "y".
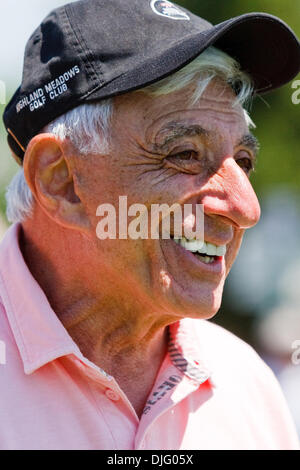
{"x": 233, "y": 249}
{"x": 125, "y": 256}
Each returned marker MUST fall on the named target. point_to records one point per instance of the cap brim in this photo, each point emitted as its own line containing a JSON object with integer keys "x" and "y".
{"x": 264, "y": 46}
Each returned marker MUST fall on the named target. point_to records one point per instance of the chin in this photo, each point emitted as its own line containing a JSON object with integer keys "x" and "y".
{"x": 202, "y": 304}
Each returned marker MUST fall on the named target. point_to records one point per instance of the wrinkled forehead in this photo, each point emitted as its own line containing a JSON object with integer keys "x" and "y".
{"x": 148, "y": 114}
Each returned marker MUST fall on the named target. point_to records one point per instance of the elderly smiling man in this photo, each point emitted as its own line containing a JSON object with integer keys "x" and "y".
{"x": 107, "y": 343}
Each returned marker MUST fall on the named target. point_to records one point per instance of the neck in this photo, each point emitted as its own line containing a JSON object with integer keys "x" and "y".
{"x": 115, "y": 328}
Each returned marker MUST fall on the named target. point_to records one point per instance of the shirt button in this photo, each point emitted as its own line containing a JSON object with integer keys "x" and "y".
{"x": 112, "y": 395}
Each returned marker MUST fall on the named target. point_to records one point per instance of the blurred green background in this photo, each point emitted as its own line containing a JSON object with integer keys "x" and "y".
{"x": 262, "y": 295}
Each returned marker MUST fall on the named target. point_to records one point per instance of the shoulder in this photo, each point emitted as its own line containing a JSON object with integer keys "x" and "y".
{"x": 228, "y": 354}
{"x": 245, "y": 385}
{"x": 237, "y": 368}
{"x": 213, "y": 336}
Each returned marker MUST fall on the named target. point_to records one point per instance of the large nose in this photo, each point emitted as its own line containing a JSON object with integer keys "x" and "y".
{"x": 230, "y": 194}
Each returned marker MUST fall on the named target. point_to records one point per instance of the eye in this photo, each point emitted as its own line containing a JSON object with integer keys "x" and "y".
{"x": 185, "y": 161}
{"x": 185, "y": 155}
{"x": 245, "y": 161}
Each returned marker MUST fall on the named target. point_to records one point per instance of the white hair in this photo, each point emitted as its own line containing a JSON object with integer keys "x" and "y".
{"x": 210, "y": 64}
{"x": 87, "y": 126}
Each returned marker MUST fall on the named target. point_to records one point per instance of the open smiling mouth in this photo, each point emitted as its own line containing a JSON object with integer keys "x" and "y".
{"x": 204, "y": 251}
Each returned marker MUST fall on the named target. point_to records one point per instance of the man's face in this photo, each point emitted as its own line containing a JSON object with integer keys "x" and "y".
{"x": 165, "y": 150}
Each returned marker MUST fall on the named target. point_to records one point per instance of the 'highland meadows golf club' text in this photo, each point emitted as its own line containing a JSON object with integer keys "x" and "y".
{"x": 53, "y": 89}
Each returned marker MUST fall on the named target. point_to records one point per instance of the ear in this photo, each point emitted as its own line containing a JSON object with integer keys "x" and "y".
{"x": 50, "y": 179}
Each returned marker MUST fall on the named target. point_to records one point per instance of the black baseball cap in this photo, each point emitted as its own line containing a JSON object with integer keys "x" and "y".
{"x": 94, "y": 49}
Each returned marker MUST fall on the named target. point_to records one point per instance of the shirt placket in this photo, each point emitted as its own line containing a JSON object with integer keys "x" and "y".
{"x": 170, "y": 389}
{"x": 113, "y": 405}
{"x": 184, "y": 372}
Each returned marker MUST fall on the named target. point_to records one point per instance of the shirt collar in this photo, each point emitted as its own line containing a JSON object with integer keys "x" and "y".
{"x": 39, "y": 334}
{"x": 185, "y": 351}
{"x": 41, "y": 337}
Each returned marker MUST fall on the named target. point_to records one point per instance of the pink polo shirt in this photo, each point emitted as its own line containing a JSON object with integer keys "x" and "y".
{"x": 211, "y": 392}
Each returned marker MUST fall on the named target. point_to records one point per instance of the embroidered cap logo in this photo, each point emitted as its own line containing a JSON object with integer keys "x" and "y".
{"x": 167, "y": 9}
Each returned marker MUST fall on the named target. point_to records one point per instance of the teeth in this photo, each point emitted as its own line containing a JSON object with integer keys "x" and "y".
{"x": 199, "y": 246}
{"x": 191, "y": 245}
{"x": 211, "y": 250}
{"x": 203, "y": 248}
{"x": 207, "y": 259}
{"x": 221, "y": 250}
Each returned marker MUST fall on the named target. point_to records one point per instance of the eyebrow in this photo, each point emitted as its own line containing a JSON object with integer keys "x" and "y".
{"x": 175, "y": 130}
{"x": 250, "y": 141}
